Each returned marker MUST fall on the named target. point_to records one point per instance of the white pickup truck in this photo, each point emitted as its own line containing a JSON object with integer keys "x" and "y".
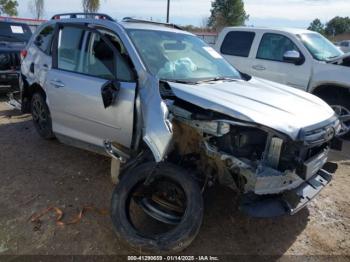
{"x": 299, "y": 58}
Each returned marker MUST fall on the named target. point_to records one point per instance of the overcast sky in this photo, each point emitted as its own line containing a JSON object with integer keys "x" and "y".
{"x": 297, "y": 13}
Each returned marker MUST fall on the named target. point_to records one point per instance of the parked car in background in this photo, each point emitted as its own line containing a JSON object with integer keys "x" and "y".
{"x": 345, "y": 46}
{"x": 208, "y": 37}
{"x": 13, "y": 39}
{"x": 299, "y": 58}
{"x": 178, "y": 117}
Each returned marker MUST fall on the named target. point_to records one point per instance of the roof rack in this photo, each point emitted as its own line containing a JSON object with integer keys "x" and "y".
{"x": 83, "y": 15}
{"x": 133, "y": 20}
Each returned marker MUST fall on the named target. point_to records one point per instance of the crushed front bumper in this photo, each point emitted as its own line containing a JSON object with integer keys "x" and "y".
{"x": 289, "y": 202}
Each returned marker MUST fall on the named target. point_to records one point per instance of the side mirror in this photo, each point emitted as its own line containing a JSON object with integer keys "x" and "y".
{"x": 293, "y": 57}
{"x": 109, "y": 92}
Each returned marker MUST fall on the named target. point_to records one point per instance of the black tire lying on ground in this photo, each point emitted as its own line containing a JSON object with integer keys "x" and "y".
{"x": 175, "y": 240}
{"x": 41, "y": 116}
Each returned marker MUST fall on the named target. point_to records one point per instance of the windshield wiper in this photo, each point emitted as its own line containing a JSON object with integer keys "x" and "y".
{"x": 215, "y": 79}
{"x": 178, "y": 81}
{"x": 329, "y": 59}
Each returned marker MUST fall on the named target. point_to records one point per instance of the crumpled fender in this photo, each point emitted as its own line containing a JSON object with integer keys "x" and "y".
{"x": 157, "y": 129}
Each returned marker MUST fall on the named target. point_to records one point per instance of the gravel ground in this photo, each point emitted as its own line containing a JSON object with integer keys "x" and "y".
{"x": 36, "y": 174}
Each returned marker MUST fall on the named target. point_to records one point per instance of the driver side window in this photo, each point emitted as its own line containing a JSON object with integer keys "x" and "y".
{"x": 274, "y": 46}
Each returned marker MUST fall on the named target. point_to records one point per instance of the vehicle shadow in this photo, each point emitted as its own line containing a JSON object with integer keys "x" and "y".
{"x": 226, "y": 231}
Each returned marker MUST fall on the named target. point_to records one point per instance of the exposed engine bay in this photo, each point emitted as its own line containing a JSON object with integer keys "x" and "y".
{"x": 241, "y": 155}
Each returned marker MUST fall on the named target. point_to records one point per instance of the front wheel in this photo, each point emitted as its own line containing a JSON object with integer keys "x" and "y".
{"x": 157, "y": 208}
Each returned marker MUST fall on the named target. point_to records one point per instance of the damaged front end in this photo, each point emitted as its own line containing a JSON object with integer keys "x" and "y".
{"x": 276, "y": 174}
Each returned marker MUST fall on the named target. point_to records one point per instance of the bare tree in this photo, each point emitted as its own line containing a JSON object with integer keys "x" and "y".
{"x": 91, "y": 6}
{"x": 37, "y": 8}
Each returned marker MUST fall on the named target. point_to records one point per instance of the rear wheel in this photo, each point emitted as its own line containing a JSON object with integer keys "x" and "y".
{"x": 161, "y": 212}
{"x": 41, "y": 116}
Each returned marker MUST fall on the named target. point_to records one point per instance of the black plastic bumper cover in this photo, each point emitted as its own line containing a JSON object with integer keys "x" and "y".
{"x": 287, "y": 203}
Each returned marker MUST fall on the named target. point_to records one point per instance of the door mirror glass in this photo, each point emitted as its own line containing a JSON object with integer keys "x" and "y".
{"x": 292, "y": 56}
{"x": 109, "y": 92}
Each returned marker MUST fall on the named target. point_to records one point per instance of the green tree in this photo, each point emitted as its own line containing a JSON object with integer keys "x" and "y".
{"x": 8, "y": 7}
{"x": 317, "y": 26}
{"x": 91, "y": 6}
{"x": 227, "y": 13}
{"x": 338, "y": 25}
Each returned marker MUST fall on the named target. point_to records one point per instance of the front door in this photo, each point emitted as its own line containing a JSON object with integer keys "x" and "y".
{"x": 269, "y": 62}
{"x": 84, "y": 61}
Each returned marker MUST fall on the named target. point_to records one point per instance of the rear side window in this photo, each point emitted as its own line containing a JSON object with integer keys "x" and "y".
{"x": 69, "y": 48}
{"x": 237, "y": 43}
{"x": 274, "y": 46}
{"x": 44, "y": 39}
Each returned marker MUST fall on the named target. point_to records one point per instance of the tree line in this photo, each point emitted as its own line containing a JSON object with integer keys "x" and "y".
{"x": 336, "y": 26}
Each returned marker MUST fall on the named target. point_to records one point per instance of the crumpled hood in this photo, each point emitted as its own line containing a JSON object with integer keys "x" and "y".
{"x": 270, "y": 104}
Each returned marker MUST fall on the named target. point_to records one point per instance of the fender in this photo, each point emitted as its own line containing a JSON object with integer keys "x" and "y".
{"x": 157, "y": 129}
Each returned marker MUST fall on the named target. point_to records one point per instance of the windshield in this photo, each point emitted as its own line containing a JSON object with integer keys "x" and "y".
{"x": 320, "y": 48}
{"x": 180, "y": 57}
{"x": 14, "y": 32}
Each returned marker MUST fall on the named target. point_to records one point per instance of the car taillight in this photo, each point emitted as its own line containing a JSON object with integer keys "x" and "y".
{"x": 24, "y": 54}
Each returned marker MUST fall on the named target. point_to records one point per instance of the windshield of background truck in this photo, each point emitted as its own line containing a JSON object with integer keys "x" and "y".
{"x": 320, "y": 47}
{"x": 180, "y": 57}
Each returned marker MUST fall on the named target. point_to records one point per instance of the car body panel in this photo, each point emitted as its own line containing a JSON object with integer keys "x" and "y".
{"x": 157, "y": 129}
{"x": 82, "y": 115}
{"x": 329, "y": 74}
{"x": 259, "y": 101}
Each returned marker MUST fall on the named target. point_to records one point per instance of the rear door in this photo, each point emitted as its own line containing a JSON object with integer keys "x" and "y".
{"x": 38, "y": 60}
{"x": 236, "y": 47}
{"x": 85, "y": 60}
{"x": 269, "y": 62}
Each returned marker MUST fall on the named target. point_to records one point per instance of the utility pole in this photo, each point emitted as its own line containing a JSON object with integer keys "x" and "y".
{"x": 168, "y": 11}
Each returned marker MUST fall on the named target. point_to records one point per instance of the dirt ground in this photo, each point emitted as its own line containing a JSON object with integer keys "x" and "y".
{"x": 36, "y": 174}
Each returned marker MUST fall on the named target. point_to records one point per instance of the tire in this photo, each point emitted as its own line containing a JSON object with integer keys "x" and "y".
{"x": 41, "y": 117}
{"x": 175, "y": 240}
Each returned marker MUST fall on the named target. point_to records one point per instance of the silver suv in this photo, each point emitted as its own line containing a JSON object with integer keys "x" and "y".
{"x": 176, "y": 118}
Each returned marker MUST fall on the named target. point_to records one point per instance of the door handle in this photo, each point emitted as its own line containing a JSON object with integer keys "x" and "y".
{"x": 259, "y": 67}
{"x": 57, "y": 83}
{"x": 45, "y": 67}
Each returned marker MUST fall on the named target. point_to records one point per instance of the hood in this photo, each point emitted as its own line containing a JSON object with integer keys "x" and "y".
{"x": 279, "y": 107}
{"x": 340, "y": 59}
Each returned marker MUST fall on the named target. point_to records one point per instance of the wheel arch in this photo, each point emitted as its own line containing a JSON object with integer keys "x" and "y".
{"x": 336, "y": 91}
{"x": 27, "y": 94}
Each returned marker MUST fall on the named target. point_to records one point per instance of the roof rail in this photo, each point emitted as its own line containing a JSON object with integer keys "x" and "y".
{"x": 83, "y": 15}
{"x": 134, "y": 20}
